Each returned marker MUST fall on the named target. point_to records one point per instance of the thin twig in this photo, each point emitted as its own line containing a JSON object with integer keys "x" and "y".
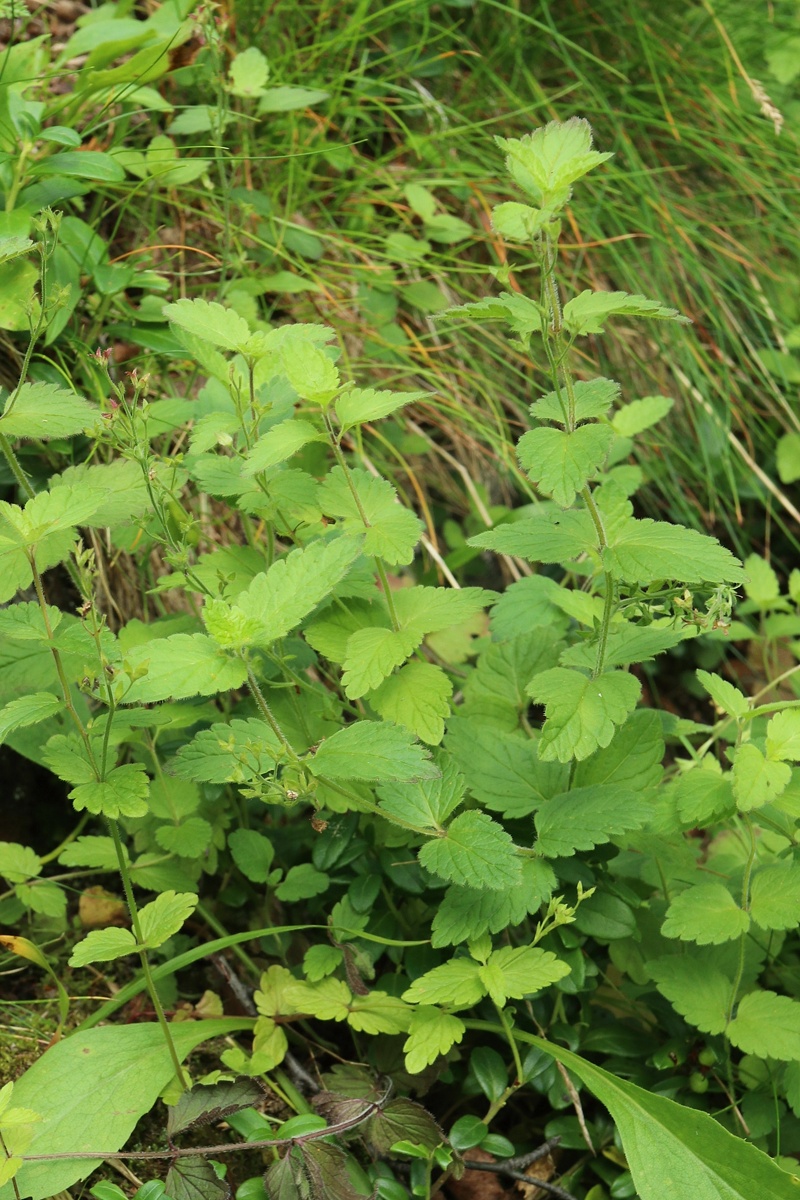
{"x": 227, "y": 1148}
{"x": 501, "y": 1168}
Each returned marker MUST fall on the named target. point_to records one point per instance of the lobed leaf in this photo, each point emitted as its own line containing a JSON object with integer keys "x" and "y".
{"x": 44, "y": 411}
{"x": 164, "y": 916}
{"x": 767, "y": 1025}
{"x": 700, "y": 993}
{"x": 473, "y": 850}
{"x": 560, "y": 462}
{"x": 431, "y": 1033}
{"x": 705, "y": 913}
{"x": 418, "y": 697}
{"x": 586, "y": 817}
{"x": 581, "y": 713}
{"x": 373, "y": 751}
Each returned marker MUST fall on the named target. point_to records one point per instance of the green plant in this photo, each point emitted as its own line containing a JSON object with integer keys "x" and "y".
{"x": 369, "y": 752}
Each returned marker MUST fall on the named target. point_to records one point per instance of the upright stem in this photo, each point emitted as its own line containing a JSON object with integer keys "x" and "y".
{"x": 23, "y": 483}
{"x": 137, "y": 933}
{"x": 380, "y": 568}
{"x": 556, "y": 351}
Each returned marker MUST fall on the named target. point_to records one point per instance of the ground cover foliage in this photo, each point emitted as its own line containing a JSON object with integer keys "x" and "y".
{"x": 345, "y": 636}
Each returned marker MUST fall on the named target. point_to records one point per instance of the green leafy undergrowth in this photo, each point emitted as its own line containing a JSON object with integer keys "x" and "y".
{"x": 463, "y": 799}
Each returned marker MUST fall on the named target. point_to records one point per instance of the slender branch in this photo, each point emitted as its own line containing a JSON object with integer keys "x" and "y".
{"x": 225, "y": 1148}
{"x": 501, "y": 1168}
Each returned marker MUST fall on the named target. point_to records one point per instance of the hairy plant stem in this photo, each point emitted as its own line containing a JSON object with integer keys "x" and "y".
{"x": 509, "y": 1034}
{"x": 379, "y": 566}
{"x": 556, "y": 350}
{"x": 62, "y": 677}
{"x": 15, "y": 467}
{"x": 748, "y": 870}
{"x": 268, "y": 715}
{"x": 143, "y": 956}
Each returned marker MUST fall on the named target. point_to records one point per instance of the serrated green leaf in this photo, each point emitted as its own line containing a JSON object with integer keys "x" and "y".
{"x": 18, "y": 863}
{"x": 123, "y": 793}
{"x": 329, "y": 1000}
{"x": 775, "y": 896}
{"x": 59, "y": 509}
{"x": 767, "y": 1025}
{"x": 632, "y": 760}
{"x": 465, "y": 914}
{"x": 312, "y": 373}
{"x": 586, "y": 817}
{"x": 302, "y": 882}
{"x": 589, "y": 311}
{"x": 28, "y": 710}
{"x": 164, "y": 916}
{"x": 626, "y": 644}
{"x": 280, "y": 443}
{"x": 358, "y": 405}
{"x": 526, "y": 605}
{"x": 252, "y": 852}
{"x": 90, "y": 851}
{"x": 431, "y": 1033}
{"x": 639, "y": 415}
{"x": 102, "y": 945}
{"x": 474, "y": 850}
{"x": 456, "y": 983}
{"x": 42, "y": 896}
{"x": 377, "y": 1013}
{"x": 700, "y": 993}
{"x": 783, "y": 735}
{"x": 179, "y": 666}
{"x": 703, "y": 795}
{"x": 430, "y": 609}
{"x": 372, "y": 654}
{"x": 67, "y": 758}
{"x": 581, "y": 713}
{"x": 755, "y": 779}
{"x": 646, "y": 551}
{"x": 330, "y": 634}
{"x": 403, "y": 1120}
{"x": 548, "y": 161}
{"x": 212, "y": 323}
{"x": 707, "y": 914}
{"x": 513, "y": 972}
{"x": 248, "y": 73}
{"x": 427, "y": 804}
{"x": 726, "y": 697}
{"x": 234, "y": 753}
{"x": 519, "y": 222}
{"x": 392, "y": 532}
{"x": 761, "y": 585}
{"x": 494, "y": 692}
{"x": 592, "y": 398}
{"x": 321, "y": 961}
{"x": 187, "y": 840}
{"x": 376, "y": 752}
{"x": 547, "y": 537}
{"x": 522, "y": 315}
{"x": 278, "y": 599}
{"x": 44, "y": 410}
{"x": 194, "y": 1178}
{"x": 418, "y": 697}
{"x": 561, "y": 463}
{"x": 502, "y": 769}
{"x": 204, "y": 1105}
